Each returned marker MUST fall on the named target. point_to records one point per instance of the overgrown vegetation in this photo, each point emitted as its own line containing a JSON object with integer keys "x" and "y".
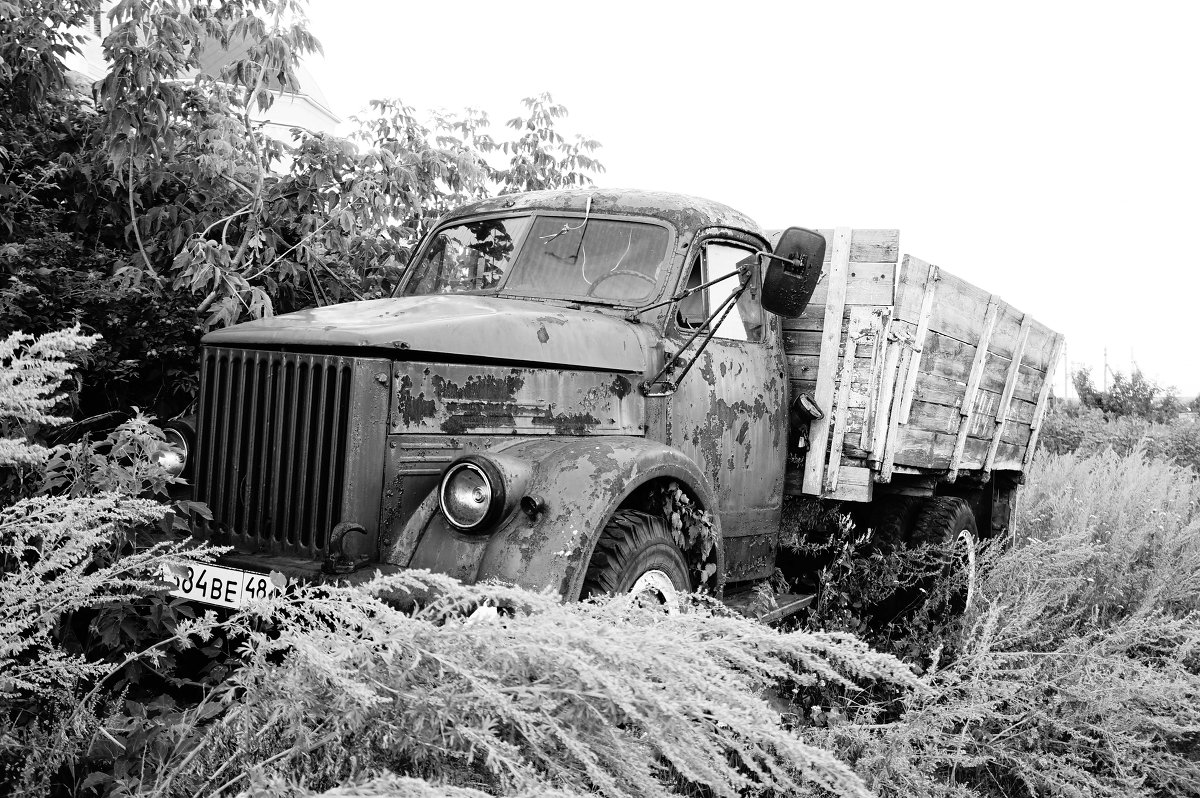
{"x": 1086, "y": 431}
{"x": 161, "y": 209}
{"x": 487, "y": 686}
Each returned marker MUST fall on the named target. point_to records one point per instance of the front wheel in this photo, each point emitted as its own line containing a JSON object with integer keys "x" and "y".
{"x": 637, "y": 555}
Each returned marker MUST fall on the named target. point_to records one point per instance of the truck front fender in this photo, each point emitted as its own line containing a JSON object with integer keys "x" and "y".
{"x": 582, "y": 482}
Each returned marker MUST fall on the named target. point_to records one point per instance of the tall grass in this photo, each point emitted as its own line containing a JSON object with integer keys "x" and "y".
{"x": 335, "y": 685}
{"x": 1079, "y": 672}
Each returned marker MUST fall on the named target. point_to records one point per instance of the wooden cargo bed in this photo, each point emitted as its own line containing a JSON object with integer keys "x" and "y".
{"x": 917, "y": 370}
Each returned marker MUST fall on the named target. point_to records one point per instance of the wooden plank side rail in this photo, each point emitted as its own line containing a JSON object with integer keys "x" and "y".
{"x": 1039, "y": 412}
{"x": 932, "y": 276}
{"x": 893, "y": 425}
{"x": 831, "y": 333}
{"x": 860, "y": 328}
{"x": 880, "y": 319}
{"x": 919, "y": 372}
{"x": 887, "y": 386}
{"x": 841, "y": 413}
{"x": 968, "y": 401}
{"x": 1006, "y": 397}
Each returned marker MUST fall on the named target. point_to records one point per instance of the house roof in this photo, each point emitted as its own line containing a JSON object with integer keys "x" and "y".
{"x": 214, "y": 58}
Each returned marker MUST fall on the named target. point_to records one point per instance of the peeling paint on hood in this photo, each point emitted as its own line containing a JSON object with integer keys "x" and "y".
{"x": 479, "y": 327}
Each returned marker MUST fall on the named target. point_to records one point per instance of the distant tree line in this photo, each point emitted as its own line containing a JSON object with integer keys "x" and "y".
{"x": 1132, "y": 396}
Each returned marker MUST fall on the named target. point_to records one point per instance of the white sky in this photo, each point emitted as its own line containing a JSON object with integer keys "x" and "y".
{"x": 1048, "y": 152}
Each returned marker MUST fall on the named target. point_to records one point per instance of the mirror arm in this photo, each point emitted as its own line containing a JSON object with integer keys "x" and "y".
{"x": 724, "y": 309}
{"x": 682, "y": 295}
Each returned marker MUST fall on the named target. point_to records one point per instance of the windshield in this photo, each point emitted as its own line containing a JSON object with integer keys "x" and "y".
{"x": 545, "y": 256}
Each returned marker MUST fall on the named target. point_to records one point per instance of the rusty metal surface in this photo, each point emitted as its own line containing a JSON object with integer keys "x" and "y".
{"x": 730, "y": 416}
{"x": 479, "y": 327}
{"x": 366, "y": 440}
{"x": 558, "y": 387}
{"x": 413, "y": 467}
{"x": 583, "y": 481}
{"x": 484, "y": 400}
{"x": 687, "y": 214}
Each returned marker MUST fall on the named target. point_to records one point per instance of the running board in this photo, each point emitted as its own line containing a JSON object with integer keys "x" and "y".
{"x": 785, "y": 604}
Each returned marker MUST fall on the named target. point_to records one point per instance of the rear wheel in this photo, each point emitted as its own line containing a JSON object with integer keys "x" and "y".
{"x": 891, "y": 522}
{"x": 950, "y": 520}
{"x": 636, "y": 554}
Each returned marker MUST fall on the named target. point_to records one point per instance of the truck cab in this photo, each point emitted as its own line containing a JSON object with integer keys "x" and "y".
{"x": 578, "y": 391}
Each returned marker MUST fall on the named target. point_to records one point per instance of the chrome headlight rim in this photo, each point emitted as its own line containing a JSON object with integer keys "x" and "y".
{"x": 492, "y": 478}
{"x": 174, "y": 456}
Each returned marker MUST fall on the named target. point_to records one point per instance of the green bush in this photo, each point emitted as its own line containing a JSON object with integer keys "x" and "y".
{"x": 72, "y": 572}
{"x": 1088, "y": 431}
{"x": 149, "y": 339}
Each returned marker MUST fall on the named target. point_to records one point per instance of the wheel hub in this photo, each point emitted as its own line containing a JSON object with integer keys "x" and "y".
{"x": 655, "y": 589}
{"x": 966, "y": 545}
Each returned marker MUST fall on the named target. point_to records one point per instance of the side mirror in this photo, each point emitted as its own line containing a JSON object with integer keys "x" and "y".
{"x": 793, "y": 271}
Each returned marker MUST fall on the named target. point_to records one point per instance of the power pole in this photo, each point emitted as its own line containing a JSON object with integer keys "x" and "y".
{"x": 1104, "y": 382}
{"x": 1066, "y": 371}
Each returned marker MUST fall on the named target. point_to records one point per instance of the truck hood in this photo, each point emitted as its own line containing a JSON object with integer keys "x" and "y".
{"x": 484, "y": 327}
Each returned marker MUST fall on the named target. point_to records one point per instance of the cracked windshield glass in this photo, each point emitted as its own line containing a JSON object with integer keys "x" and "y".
{"x": 600, "y": 260}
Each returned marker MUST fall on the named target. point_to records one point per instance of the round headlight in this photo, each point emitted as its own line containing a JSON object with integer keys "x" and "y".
{"x": 467, "y": 495}
{"x": 174, "y": 456}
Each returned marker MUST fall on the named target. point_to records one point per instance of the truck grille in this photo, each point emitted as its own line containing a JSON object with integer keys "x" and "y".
{"x": 271, "y": 461}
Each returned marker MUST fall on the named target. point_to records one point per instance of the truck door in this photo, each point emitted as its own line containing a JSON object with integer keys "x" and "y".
{"x": 729, "y": 412}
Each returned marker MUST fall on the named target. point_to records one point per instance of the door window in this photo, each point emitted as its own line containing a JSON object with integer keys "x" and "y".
{"x": 744, "y": 321}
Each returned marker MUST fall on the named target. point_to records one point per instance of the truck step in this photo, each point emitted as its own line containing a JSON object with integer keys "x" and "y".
{"x": 785, "y": 604}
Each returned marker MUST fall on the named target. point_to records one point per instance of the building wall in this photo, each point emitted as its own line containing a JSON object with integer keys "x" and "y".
{"x": 307, "y": 109}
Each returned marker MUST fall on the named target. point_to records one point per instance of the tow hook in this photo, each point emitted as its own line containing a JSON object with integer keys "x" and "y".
{"x": 336, "y": 559}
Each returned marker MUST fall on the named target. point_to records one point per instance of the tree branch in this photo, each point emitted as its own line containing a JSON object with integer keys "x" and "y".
{"x": 137, "y": 234}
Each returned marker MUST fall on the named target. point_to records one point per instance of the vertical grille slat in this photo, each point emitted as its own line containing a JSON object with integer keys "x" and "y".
{"x": 272, "y": 461}
{"x": 220, "y": 437}
{"x": 272, "y": 528}
{"x": 337, "y": 448}
{"x": 306, "y": 450}
{"x": 205, "y": 465}
{"x": 237, "y": 458}
{"x": 295, "y": 457}
{"x": 231, "y": 439}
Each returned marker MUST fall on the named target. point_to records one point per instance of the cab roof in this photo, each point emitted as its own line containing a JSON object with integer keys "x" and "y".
{"x": 687, "y": 214}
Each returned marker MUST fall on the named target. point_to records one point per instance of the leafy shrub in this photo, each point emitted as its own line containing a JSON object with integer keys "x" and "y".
{"x": 896, "y": 598}
{"x": 149, "y": 339}
{"x": 1087, "y": 431}
{"x": 63, "y": 558}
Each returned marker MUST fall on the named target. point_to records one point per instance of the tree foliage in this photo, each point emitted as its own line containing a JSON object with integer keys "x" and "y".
{"x": 1135, "y": 395}
{"x": 157, "y": 189}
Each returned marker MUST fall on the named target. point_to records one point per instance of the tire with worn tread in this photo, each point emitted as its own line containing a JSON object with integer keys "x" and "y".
{"x": 631, "y": 545}
{"x": 892, "y": 521}
{"x": 947, "y": 519}
{"x": 941, "y": 519}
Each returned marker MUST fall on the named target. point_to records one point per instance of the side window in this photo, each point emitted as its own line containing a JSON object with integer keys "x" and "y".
{"x": 744, "y": 322}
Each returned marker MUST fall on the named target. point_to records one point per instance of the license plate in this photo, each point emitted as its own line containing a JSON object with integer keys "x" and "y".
{"x": 223, "y": 587}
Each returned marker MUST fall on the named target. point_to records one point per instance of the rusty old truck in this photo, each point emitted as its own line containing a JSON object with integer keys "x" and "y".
{"x": 598, "y": 391}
